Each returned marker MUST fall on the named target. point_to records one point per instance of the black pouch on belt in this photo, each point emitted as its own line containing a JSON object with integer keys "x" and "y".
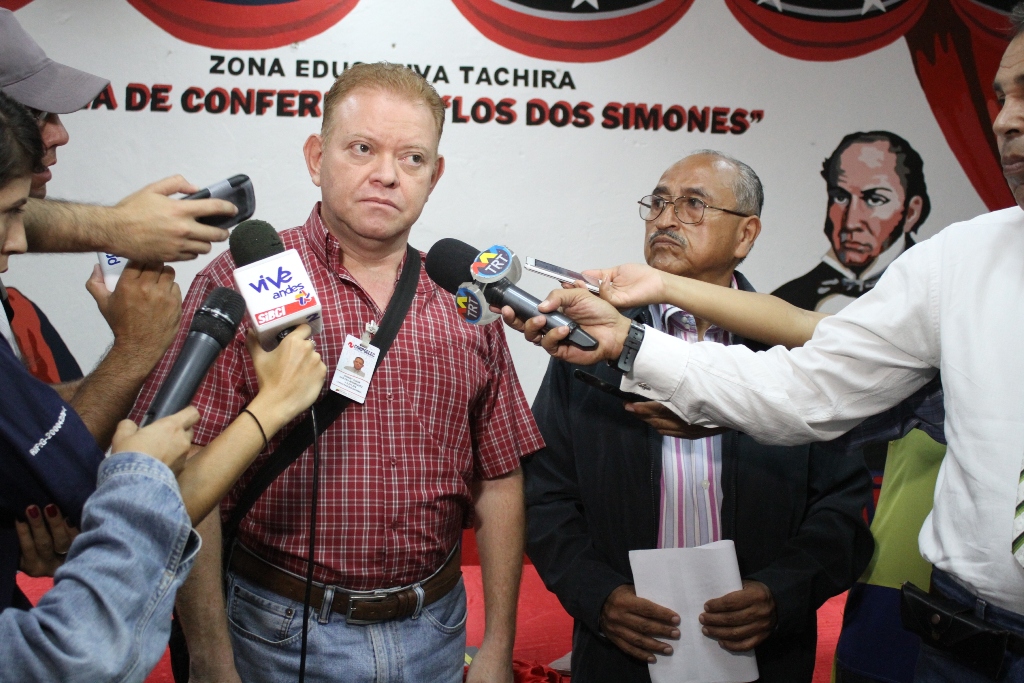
{"x": 952, "y": 627}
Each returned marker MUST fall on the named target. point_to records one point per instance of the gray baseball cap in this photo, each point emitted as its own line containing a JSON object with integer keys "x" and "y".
{"x": 33, "y": 79}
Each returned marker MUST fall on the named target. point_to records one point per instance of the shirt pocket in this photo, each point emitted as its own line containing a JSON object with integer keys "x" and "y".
{"x": 441, "y": 386}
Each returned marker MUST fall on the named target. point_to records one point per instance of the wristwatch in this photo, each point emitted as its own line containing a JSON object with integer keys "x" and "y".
{"x": 630, "y": 347}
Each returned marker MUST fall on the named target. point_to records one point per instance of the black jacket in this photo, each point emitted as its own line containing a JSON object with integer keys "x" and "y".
{"x": 593, "y": 494}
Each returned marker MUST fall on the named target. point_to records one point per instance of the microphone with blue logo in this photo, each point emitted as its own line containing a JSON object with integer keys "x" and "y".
{"x": 479, "y": 278}
{"x": 278, "y": 292}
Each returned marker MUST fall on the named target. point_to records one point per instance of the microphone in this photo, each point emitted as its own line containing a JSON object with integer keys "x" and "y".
{"x": 278, "y": 292}
{"x": 455, "y": 265}
{"x": 213, "y": 326}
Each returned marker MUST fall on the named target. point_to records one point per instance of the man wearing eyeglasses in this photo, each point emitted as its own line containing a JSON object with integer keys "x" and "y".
{"x": 614, "y": 479}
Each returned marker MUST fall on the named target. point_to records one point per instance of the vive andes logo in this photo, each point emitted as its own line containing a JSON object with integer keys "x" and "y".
{"x": 284, "y": 277}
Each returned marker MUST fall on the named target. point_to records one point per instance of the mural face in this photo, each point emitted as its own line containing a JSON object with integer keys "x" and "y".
{"x": 876, "y": 196}
{"x": 865, "y": 204}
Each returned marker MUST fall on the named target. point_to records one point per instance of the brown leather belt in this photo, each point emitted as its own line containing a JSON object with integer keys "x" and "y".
{"x": 359, "y": 607}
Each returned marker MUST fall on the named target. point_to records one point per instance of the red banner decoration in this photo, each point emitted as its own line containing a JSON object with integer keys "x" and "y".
{"x": 13, "y": 4}
{"x": 955, "y": 45}
{"x": 845, "y": 30}
{"x": 573, "y": 30}
{"x": 244, "y": 24}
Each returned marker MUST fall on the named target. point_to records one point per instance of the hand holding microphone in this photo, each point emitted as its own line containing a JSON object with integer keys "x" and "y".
{"x": 598, "y": 318}
{"x": 290, "y": 377}
{"x": 480, "y": 278}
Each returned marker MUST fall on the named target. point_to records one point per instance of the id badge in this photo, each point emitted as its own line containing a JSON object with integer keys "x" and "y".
{"x": 355, "y": 369}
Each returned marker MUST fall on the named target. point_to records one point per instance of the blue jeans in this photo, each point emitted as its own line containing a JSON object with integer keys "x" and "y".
{"x": 935, "y": 666}
{"x": 266, "y": 631}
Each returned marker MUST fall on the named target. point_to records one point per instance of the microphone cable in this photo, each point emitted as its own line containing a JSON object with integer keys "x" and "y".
{"x": 312, "y": 546}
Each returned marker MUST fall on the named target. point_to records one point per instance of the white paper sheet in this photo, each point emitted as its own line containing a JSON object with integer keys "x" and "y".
{"x": 683, "y": 579}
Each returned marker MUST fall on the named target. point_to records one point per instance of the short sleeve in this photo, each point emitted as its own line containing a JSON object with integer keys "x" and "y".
{"x": 503, "y": 426}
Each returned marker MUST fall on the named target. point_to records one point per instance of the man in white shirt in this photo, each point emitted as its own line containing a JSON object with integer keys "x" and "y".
{"x": 952, "y": 303}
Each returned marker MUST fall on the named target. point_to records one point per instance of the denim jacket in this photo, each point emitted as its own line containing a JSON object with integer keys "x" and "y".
{"x": 108, "y": 615}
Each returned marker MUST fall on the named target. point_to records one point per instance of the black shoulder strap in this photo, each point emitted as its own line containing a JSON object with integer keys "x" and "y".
{"x": 329, "y": 407}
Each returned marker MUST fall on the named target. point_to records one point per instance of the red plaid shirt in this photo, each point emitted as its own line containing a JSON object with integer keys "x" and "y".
{"x": 444, "y": 408}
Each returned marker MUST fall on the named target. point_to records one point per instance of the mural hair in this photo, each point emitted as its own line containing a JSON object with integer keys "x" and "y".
{"x": 21, "y": 146}
{"x": 383, "y": 76}
{"x": 909, "y": 166}
{"x": 747, "y": 186}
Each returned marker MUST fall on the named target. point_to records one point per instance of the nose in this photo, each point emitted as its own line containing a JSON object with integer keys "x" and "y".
{"x": 667, "y": 219}
{"x": 385, "y": 171}
{"x": 15, "y": 241}
{"x": 1010, "y": 120}
{"x": 53, "y": 132}
{"x": 855, "y": 213}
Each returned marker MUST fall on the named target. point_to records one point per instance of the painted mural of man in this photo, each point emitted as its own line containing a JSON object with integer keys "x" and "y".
{"x": 877, "y": 199}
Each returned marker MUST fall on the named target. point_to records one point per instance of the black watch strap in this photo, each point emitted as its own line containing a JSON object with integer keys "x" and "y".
{"x": 630, "y": 347}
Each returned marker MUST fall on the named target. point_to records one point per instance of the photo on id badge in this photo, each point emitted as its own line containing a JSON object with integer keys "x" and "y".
{"x": 355, "y": 368}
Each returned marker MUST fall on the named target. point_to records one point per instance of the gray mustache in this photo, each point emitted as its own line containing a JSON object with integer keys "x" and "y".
{"x": 669, "y": 234}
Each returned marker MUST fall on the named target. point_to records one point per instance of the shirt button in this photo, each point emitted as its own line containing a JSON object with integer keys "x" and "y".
{"x": 705, "y": 484}
{"x": 393, "y": 460}
{"x": 391, "y": 397}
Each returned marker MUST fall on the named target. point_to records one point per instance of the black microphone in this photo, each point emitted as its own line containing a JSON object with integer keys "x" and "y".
{"x": 449, "y": 264}
{"x": 213, "y": 326}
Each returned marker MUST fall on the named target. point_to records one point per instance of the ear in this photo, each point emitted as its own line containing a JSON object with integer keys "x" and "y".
{"x": 313, "y": 150}
{"x": 746, "y": 233}
{"x": 914, "y": 207}
{"x": 438, "y": 172}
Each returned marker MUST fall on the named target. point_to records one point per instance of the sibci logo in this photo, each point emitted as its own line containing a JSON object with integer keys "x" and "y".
{"x": 268, "y": 316}
{"x": 265, "y": 281}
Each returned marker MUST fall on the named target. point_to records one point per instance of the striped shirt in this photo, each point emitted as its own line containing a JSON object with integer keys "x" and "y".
{"x": 691, "y": 469}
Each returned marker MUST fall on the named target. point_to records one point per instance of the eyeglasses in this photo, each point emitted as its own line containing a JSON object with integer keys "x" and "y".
{"x": 39, "y": 116}
{"x": 688, "y": 210}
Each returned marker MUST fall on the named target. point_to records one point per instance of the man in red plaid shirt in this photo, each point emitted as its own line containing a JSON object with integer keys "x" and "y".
{"x": 436, "y": 443}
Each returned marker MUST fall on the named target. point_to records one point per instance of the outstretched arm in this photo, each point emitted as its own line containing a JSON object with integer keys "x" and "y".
{"x": 143, "y": 312}
{"x": 761, "y": 317}
{"x": 145, "y": 226}
{"x": 290, "y": 378}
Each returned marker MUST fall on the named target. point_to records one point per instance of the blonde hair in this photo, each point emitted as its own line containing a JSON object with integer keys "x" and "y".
{"x": 387, "y": 77}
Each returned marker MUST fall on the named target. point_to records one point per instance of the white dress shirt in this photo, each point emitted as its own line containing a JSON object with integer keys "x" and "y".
{"x": 953, "y": 303}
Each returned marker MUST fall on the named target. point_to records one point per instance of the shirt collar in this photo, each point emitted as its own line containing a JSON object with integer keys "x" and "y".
{"x": 663, "y": 312}
{"x": 327, "y": 249}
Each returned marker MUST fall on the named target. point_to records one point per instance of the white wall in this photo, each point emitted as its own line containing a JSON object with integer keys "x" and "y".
{"x": 563, "y": 194}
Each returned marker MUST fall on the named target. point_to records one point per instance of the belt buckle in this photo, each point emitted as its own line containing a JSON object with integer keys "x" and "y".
{"x": 353, "y": 601}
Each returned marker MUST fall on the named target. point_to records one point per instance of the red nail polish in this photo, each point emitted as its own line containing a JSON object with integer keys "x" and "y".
{"x": 33, "y": 512}
{"x": 51, "y": 510}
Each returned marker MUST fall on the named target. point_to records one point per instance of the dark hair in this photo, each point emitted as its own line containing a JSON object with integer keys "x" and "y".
{"x": 1017, "y": 20}
{"x": 21, "y": 147}
{"x": 909, "y": 166}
